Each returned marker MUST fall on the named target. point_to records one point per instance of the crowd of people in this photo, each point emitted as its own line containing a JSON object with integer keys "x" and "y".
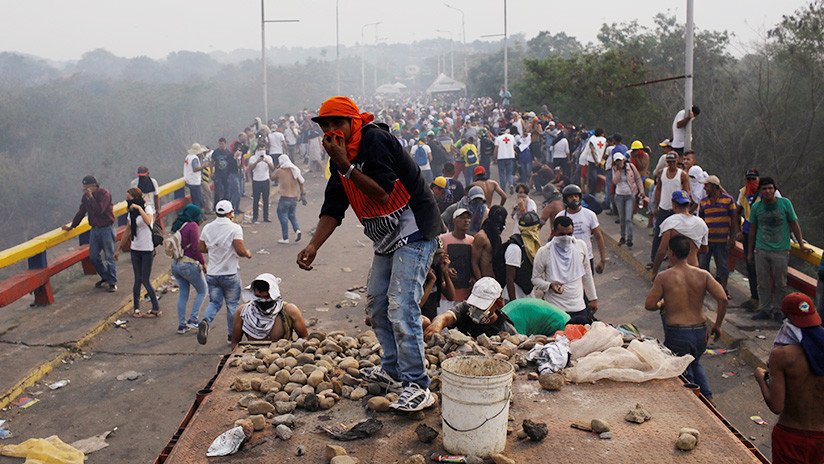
{"x": 418, "y": 177}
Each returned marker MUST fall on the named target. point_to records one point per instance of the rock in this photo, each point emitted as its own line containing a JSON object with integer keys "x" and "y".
{"x": 258, "y": 421}
{"x": 532, "y": 376}
{"x": 638, "y": 414}
{"x": 298, "y": 377}
{"x": 300, "y": 451}
{"x": 527, "y": 345}
{"x": 332, "y": 451}
{"x": 270, "y": 358}
{"x": 346, "y": 391}
{"x": 260, "y": 407}
{"x": 349, "y": 380}
{"x": 342, "y": 460}
{"x": 279, "y": 396}
{"x": 308, "y": 368}
{"x": 291, "y": 386}
{"x": 472, "y": 459}
{"x": 353, "y": 371}
{"x": 501, "y": 356}
{"x": 270, "y": 384}
{"x": 483, "y": 340}
{"x": 686, "y": 442}
{"x": 244, "y": 402}
{"x": 347, "y": 363}
{"x": 521, "y": 435}
{"x": 323, "y": 386}
{"x": 307, "y": 389}
{"x": 250, "y": 364}
{"x": 283, "y": 432}
{"x": 332, "y": 346}
{"x": 289, "y": 362}
{"x": 248, "y": 426}
{"x": 262, "y": 353}
{"x": 605, "y": 436}
{"x": 348, "y": 342}
{"x": 374, "y": 389}
{"x": 415, "y": 459}
{"x": 304, "y": 358}
{"x": 378, "y": 403}
{"x": 326, "y": 402}
{"x": 235, "y": 362}
{"x": 285, "y": 407}
{"x": 536, "y": 431}
{"x": 320, "y": 336}
{"x": 311, "y": 403}
{"x": 552, "y": 381}
{"x": 599, "y": 426}
{"x": 315, "y": 378}
{"x": 284, "y": 419}
{"x": 392, "y": 397}
{"x": 499, "y": 458}
{"x": 262, "y": 369}
{"x": 282, "y": 376}
{"x": 425, "y": 433}
{"x": 293, "y": 352}
{"x": 241, "y": 384}
{"x": 508, "y": 348}
{"x": 457, "y": 337}
{"x": 358, "y": 393}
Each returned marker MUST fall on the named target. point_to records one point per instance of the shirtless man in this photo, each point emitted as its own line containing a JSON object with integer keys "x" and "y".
{"x": 265, "y": 316}
{"x": 488, "y": 185}
{"x": 793, "y": 388}
{"x": 487, "y": 242}
{"x": 679, "y": 293}
{"x": 685, "y": 224}
{"x": 290, "y": 180}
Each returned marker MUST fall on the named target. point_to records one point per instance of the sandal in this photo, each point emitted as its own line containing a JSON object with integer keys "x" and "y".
{"x": 153, "y": 313}
{"x": 136, "y": 314}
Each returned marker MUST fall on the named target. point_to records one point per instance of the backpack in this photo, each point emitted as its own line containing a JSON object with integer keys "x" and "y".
{"x": 172, "y": 245}
{"x": 523, "y": 276}
{"x": 157, "y": 234}
{"x": 471, "y": 157}
{"x": 420, "y": 156}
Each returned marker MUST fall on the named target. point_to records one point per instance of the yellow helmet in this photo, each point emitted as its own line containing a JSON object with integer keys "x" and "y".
{"x": 637, "y": 145}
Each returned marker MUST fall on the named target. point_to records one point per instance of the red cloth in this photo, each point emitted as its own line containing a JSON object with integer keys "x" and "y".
{"x": 342, "y": 106}
{"x": 793, "y": 446}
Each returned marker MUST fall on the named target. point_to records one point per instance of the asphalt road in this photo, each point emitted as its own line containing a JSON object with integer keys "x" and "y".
{"x": 148, "y": 410}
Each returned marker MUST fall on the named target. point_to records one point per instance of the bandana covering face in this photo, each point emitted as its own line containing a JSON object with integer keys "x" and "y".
{"x": 342, "y": 106}
{"x": 531, "y": 241}
{"x": 752, "y": 187}
{"x": 565, "y": 264}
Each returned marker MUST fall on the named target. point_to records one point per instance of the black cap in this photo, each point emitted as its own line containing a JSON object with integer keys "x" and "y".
{"x": 90, "y": 180}
{"x": 529, "y": 219}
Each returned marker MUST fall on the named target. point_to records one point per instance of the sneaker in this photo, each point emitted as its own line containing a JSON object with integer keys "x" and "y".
{"x": 182, "y": 329}
{"x": 284, "y": 241}
{"x": 413, "y": 398}
{"x": 100, "y": 283}
{"x": 112, "y": 288}
{"x": 761, "y": 316}
{"x": 622, "y": 241}
{"x": 629, "y": 243}
{"x": 380, "y": 377}
{"x": 228, "y": 339}
{"x": 202, "y": 332}
{"x": 191, "y": 324}
{"x": 297, "y": 235}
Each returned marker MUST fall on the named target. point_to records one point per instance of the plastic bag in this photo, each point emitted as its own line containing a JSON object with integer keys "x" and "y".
{"x": 572, "y": 332}
{"x": 643, "y": 360}
{"x": 599, "y": 338}
{"x": 551, "y": 357}
{"x": 227, "y": 442}
{"x": 51, "y": 450}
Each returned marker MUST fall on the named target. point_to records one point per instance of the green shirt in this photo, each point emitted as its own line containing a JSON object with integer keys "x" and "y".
{"x": 773, "y": 222}
{"x": 533, "y": 316}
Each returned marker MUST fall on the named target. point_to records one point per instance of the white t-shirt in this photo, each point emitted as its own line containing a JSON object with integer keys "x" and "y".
{"x": 290, "y": 134}
{"x": 692, "y": 227}
{"x": 142, "y": 240}
{"x": 512, "y": 257}
{"x": 148, "y": 198}
{"x": 414, "y": 149}
{"x": 608, "y": 161}
{"x": 593, "y": 150}
{"x": 572, "y": 299}
{"x": 560, "y": 149}
{"x": 584, "y": 221}
{"x": 276, "y": 143}
{"x": 678, "y": 134}
{"x": 261, "y": 171}
{"x": 506, "y": 146}
{"x": 218, "y": 236}
{"x": 190, "y": 176}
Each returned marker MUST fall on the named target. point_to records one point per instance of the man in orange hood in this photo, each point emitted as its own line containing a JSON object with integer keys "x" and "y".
{"x": 385, "y": 188}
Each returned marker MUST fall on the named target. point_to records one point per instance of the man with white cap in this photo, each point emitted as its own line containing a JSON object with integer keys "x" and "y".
{"x": 479, "y": 314}
{"x": 265, "y": 316}
{"x": 191, "y": 173}
{"x": 222, "y": 239}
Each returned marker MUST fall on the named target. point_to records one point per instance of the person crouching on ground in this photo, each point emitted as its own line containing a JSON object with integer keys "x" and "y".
{"x": 479, "y": 314}
{"x": 265, "y": 316}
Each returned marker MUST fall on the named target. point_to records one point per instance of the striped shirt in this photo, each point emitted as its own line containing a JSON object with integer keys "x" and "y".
{"x": 718, "y": 216}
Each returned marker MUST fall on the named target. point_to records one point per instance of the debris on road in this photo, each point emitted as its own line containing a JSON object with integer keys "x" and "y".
{"x": 352, "y": 296}
{"x": 129, "y": 375}
{"x": 92, "y": 444}
{"x": 426, "y": 434}
{"x": 758, "y": 420}
{"x": 362, "y": 429}
{"x": 687, "y": 439}
{"x": 227, "y": 442}
{"x": 536, "y": 431}
{"x": 638, "y": 414}
{"x": 47, "y": 450}
{"x": 24, "y": 402}
{"x": 59, "y": 384}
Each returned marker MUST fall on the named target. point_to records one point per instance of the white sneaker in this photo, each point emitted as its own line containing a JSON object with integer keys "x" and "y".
{"x": 284, "y": 241}
{"x": 413, "y": 398}
{"x": 297, "y": 235}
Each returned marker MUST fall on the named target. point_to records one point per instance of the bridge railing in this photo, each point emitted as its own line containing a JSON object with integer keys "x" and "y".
{"x": 37, "y": 278}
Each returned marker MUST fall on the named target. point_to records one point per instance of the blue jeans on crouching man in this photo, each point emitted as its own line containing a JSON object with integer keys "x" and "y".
{"x": 690, "y": 339}
{"x": 395, "y": 287}
{"x": 223, "y": 287}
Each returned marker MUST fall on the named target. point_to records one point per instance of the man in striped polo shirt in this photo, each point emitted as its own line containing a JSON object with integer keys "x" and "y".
{"x": 717, "y": 209}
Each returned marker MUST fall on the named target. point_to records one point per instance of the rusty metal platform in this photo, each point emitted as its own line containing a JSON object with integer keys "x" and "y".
{"x": 672, "y": 407}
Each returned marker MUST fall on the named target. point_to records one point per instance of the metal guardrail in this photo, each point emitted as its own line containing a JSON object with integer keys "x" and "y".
{"x": 36, "y": 278}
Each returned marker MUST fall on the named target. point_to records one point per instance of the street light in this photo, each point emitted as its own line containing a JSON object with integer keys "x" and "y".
{"x": 451, "y": 52}
{"x": 337, "y": 43}
{"x": 688, "y": 74}
{"x": 363, "y": 46}
{"x": 263, "y": 22}
{"x": 506, "y": 54}
{"x": 463, "y": 33}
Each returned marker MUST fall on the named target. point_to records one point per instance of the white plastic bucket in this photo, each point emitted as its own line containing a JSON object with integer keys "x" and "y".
{"x": 475, "y": 404}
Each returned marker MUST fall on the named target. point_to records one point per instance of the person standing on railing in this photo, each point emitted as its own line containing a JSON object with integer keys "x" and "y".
{"x": 97, "y": 203}
{"x": 192, "y": 166}
{"x": 138, "y": 237}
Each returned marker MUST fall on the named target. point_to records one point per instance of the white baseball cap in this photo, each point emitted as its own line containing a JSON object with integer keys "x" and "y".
{"x": 458, "y": 212}
{"x": 224, "y": 207}
{"x": 618, "y": 156}
{"x": 484, "y": 293}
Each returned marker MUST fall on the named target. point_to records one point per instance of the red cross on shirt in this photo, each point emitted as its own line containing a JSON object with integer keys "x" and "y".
{"x": 506, "y": 139}
{"x": 600, "y": 144}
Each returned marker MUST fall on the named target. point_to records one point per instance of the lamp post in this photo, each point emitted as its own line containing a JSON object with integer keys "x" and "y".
{"x": 363, "y": 47}
{"x": 506, "y": 54}
{"x": 337, "y": 43}
{"x": 688, "y": 74}
{"x": 463, "y": 34}
{"x": 263, "y": 22}
{"x": 451, "y": 53}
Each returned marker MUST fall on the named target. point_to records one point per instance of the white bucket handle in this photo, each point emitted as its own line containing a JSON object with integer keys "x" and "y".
{"x": 506, "y": 403}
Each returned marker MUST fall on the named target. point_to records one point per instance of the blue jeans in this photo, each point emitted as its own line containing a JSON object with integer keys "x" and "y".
{"x": 102, "y": 239}
{"x": 222, "y": 191}
{"x": 427, "y": 175}
{"x": 235, "y": 181}
{"x": 395, "y": 287}
{"x": 660, "y": 217}
{"x": 592, "y": 177}
{"x": 286, "y": 214}
{"x": 223, "y": 287}
{"x": 625, "y": 205}
{"x": 721, "y": 252}
{"x": 195, "y": 195}
{"x": 188, "y": 274}
{"x": 469, "y": 174}
{"x": 505, "y": 167}
{"x": 691, "y": 339}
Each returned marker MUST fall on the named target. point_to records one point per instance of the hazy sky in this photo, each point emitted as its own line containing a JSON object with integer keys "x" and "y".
{"x": 65, "y": 29}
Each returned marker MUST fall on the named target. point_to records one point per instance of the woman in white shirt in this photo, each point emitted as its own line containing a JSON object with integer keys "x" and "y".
{"x": 139, "y": 232}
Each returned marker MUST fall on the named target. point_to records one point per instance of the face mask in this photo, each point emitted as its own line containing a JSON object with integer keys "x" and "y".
{"x": 479, "y": 316}
{"x": 265, "y": 305}
{"x": 563, "y": 241}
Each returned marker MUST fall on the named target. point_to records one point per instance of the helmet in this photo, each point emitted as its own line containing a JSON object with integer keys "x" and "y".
{"x": 571, "y": 189}
{"x": 637, "y": 145}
